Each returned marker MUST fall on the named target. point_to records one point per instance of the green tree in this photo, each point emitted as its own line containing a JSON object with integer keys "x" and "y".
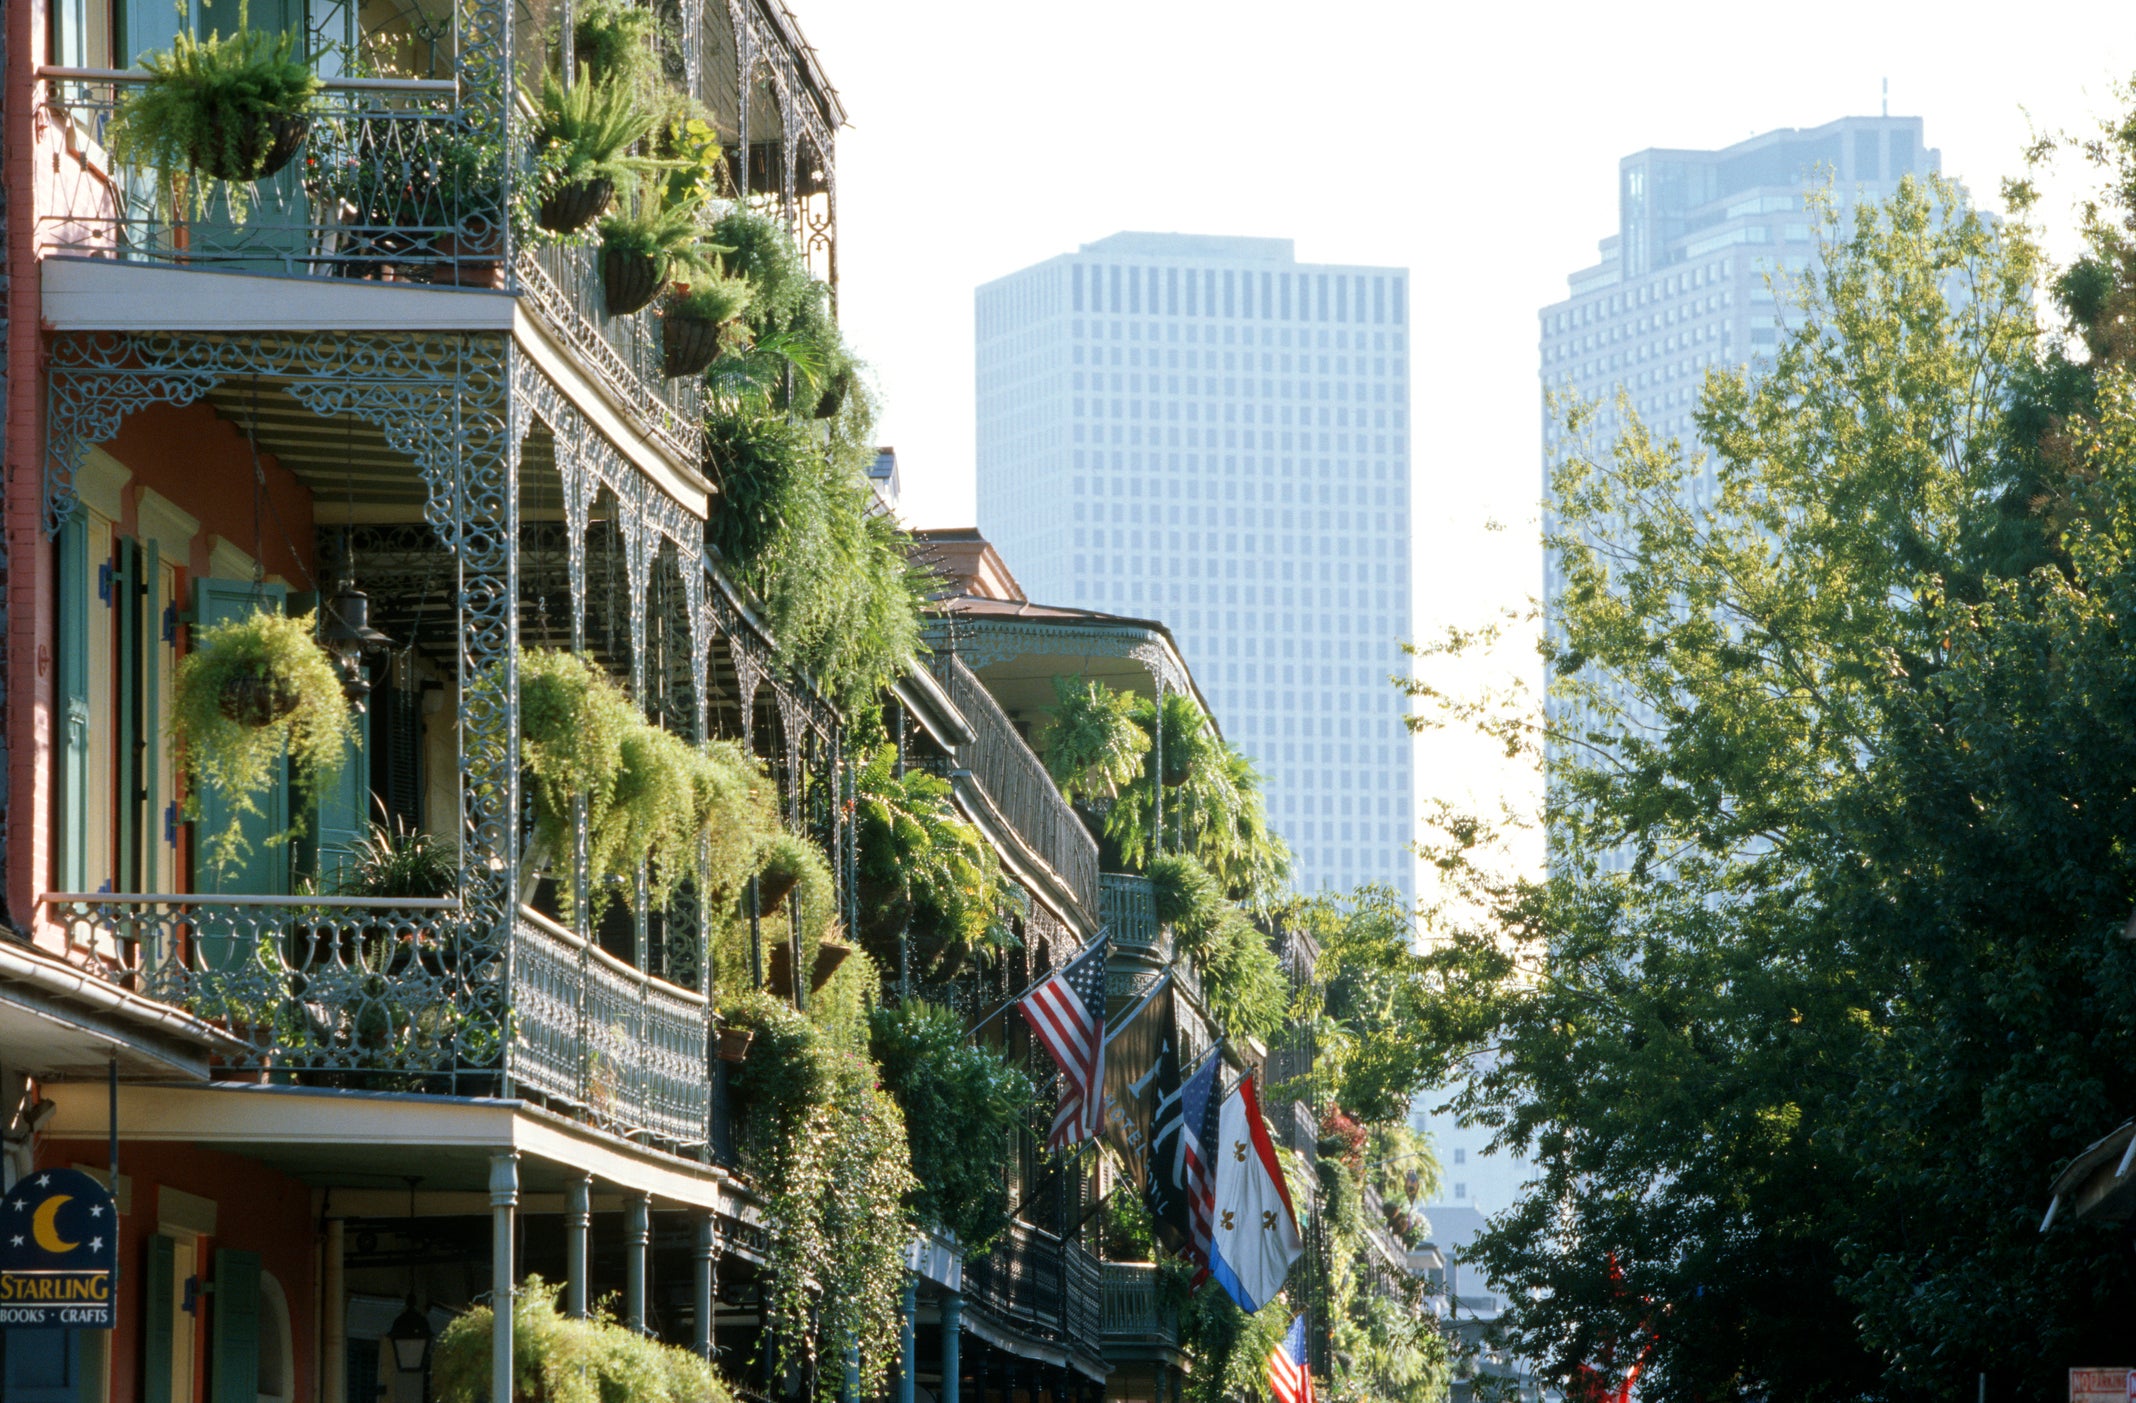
{"x": 1796, "y": 1072}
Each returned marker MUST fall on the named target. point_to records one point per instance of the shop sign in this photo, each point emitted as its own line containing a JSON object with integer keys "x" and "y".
{"x": 59, "y": 1244}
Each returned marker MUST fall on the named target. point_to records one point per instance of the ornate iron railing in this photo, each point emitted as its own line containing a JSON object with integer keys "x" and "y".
{"x": 564, "y": 282}
{"x": 622, "y": 1048}
{"x": 393, "y": 993}
{"x": 1128, "y": 907}
{"x": 388, "y": 185}
{"x": 1132, "y": 1315}
{"x": 391, "y": 184}
{"x": 1016, "y": 781}
{"x": 1035, "y": 1282}
{"x": 398, "y": 994}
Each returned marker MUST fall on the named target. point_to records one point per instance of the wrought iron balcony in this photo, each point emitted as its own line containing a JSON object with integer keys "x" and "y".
{"x": 1128, "y": 906}
{"x": 393, "y": 184}
{"x": 399, "y": 994}
{"x": 1042, "y": 1286}
{"x": 1016, "y": 782}
{"x": 1134, "y": 1316}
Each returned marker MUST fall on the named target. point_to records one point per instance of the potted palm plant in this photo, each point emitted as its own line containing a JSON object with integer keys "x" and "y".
{"x": 694, "y": 320}
{"x": 215, "y": 115}
{"x": 582, "y": 142}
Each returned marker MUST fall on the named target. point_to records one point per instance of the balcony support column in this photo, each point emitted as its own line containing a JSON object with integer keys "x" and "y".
{"x": 578, "y": 1226}
{"x": 333, "y": 1330}
{"x": 638, "y": 1234}
{"x": 908, "y": 1308}
{"x": 952, "y": 1327}
{"x": 707, "y": 1268}
{"x": 504, "y": 1201}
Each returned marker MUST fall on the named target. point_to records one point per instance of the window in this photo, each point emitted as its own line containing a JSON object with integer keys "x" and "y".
{"x": 1461, "y": 1156}
{"x": 1460, "y": 1190}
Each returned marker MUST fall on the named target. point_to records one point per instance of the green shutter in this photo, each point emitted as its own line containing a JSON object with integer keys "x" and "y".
{"x": 264, "y": 868}
{"x": 343, "y": 818}
{"x": 72, "y": 568}
{"x": 159, "y": 1300}
{"x": 156, "y": 839}
{"x": 235, "y": 1362}
{"x": 127, "y": 611}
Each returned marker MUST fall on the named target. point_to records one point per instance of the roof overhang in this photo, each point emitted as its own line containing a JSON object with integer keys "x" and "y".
{"x": 365, "y": 1139}
{"x": 59, "y": 1022}
{"x": 2100, "y": 1183}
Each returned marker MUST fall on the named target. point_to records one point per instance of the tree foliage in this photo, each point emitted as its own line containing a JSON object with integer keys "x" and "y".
{"x": 1827, "y": 978}
{"x": 962, "y": 1103}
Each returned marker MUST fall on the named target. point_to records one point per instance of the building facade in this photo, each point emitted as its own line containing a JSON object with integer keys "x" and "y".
{"x": 1205, "y": 431}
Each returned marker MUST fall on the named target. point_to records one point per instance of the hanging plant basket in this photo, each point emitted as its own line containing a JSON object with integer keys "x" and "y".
{"x": 734, "y": 1043}
{"x": 687, "y": 345}
{"x": 834, "y": 394}
{"x": 570, "y": 208}
{"x": 257, "y": 699}
{"x": 629, "y": 281}
{"x": 779, "y": 979}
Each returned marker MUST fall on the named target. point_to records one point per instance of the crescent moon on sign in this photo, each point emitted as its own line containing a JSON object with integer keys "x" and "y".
{"x": 43, "y": 1229}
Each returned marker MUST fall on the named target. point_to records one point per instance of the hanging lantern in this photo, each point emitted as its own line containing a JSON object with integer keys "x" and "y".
{"x": 410, "y": 1337}
{"x": 345, "y": 630}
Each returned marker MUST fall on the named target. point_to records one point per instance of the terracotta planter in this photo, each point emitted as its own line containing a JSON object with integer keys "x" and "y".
{"x": 687, "y": 346}
{"x": 734, "y": 1044}
{"x": 629, "y": 281}
{"x": 468, "y": 258}
{"x": 258, "y": 699}
{"x": 570, "y": 208}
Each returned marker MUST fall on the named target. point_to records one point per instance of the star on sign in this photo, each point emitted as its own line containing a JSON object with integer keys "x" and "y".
{"x": 96, "y": 1210}
{"x": 17, "y": 1240}
{"x": 96, "y": 1244}
{"x": 44, "y": 1181}
{"x": 17, "y": 1205}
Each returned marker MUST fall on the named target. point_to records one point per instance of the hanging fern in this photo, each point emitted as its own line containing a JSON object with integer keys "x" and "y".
{"x": 250, "y": 693}
{"x": 207, "y": 117}
{"x": 1093, "y": 747}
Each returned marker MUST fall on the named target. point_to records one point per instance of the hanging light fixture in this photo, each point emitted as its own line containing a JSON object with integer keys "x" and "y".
{"x": 410, "y": 1334}
{"x": 345, "y": 628}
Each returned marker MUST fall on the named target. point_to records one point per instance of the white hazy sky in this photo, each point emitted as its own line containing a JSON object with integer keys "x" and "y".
{"x": 1475, "y": 144}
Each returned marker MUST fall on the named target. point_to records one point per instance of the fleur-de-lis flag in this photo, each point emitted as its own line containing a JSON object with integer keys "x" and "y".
{"x": 1256, "y": 1237}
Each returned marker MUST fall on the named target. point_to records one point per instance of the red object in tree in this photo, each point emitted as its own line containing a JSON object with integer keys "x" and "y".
{"x": 1599, "y": 1383}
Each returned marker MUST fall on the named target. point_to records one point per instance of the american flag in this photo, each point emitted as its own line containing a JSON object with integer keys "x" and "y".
{"x": 1067, "y": 1013}
{"x": 1290, "y": 1378}
{"x": 1200, "y": 1104}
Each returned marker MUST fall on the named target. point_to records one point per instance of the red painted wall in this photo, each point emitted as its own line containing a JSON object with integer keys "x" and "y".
{"x": 257, "y": 1210}
{"x": 28, "y": 636}
{"x": 201, "y": 462}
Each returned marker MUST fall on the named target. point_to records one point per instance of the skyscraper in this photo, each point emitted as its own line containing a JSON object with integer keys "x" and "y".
{"x": 1205, "y": 431}
{"x": 1695, "y": 277}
